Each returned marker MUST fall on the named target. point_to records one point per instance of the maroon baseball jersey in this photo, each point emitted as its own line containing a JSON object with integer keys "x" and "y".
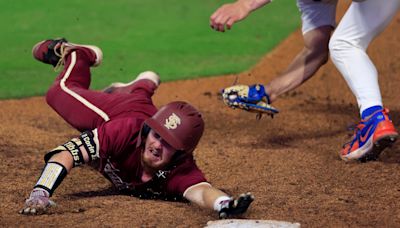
{"x": 116, "y": 120}
{"x": 121, "y": 163}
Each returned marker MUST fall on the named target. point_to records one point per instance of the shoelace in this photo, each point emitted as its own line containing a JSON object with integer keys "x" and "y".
{"x": 356, "y": 128}
{"x": 62, "y": 55}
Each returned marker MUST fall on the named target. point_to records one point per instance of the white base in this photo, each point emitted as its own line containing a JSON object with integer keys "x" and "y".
{"x": 248, "y": 223}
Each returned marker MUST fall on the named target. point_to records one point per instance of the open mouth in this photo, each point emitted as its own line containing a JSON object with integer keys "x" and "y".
{"x": 155, "y": 153}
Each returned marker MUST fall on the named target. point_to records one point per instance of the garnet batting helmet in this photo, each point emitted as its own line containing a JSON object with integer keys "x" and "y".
{"x": 179, "y": 124}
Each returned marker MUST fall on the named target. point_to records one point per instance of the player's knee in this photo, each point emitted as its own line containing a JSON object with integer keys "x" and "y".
{"x": 337, "y": 46}
{"x": 149, "y": 75}
{"x": 80, "y": 150}
{"x": 51, "y": 95}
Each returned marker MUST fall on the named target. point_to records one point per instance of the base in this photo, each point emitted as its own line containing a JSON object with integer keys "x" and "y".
{"x": 249, "y": 223}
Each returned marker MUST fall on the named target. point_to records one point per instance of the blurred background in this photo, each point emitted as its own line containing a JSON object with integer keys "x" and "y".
{"x": 170, "y": 37}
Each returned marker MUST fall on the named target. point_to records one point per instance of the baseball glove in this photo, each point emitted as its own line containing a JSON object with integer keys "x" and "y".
{"x": 250, "y": 98}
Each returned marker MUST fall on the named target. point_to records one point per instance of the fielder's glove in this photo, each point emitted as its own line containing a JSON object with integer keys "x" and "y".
{"x": 250, "y": 98}
{"x": 235, "y": 206}
{"x": 37, "y": 203}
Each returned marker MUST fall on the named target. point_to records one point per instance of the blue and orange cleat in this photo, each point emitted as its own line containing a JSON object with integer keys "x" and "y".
{"x": 372, "y": 135}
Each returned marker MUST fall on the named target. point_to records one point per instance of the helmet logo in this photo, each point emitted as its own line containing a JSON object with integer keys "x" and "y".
{"x": 172, "y": 122}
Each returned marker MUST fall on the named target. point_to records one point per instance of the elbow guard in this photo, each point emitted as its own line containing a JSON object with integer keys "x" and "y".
{"x": 87, "y": 139}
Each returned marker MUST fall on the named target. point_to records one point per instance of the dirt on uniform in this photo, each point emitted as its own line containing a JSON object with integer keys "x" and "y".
{"x": 289, "y": 163}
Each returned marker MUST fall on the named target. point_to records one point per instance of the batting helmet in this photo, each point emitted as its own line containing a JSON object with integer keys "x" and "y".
{"x": 179, "y": 124}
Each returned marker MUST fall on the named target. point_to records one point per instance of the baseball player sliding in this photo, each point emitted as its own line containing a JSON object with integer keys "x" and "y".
{"x": 363, "y": 21}
{"x": 143, "y": 151}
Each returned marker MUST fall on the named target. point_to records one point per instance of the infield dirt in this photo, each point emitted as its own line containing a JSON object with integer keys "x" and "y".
{"x": 289, "y": 162}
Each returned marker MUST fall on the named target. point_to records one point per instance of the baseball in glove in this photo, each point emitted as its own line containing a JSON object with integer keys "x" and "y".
{"x": 249, "y": 98}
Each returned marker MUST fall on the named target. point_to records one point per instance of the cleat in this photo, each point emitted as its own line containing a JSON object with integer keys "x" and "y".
{"x": 126, "y": 88}
{"x": 53, "y": 52}
{"x": 48, "y": 51}
{"x": 372, "y": 135}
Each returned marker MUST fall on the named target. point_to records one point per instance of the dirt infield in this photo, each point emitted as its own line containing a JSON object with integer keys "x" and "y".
{"x": 290, "y": 162}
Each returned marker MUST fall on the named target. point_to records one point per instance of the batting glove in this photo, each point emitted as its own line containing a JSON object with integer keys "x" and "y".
{"x": 37, "y": 203}
{"x": 236, "y": 206}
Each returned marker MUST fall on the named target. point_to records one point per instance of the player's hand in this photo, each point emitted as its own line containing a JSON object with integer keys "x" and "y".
{"x": 228, "y": 14}
{"x": 37, "y": 203}
{"x": 236, "y": 206}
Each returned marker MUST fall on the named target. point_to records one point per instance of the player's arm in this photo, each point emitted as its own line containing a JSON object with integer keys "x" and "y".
{"x": 59, "y": 163}
{"x": 230, "y": 13}
{"x": 314, "y": 54}
{"x": 204, "y": 195}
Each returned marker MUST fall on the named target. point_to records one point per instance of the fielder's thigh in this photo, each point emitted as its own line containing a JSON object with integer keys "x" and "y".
{"x": 315, "y": 14}
{"x": 364, "y": 21}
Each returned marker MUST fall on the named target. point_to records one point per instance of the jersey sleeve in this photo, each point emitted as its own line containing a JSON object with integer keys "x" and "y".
{"x": 113, "y": 137}
{"x": 183, "y": 177}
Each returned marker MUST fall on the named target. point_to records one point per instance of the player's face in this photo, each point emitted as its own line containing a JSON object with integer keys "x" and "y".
{"x": 157, "y": 153}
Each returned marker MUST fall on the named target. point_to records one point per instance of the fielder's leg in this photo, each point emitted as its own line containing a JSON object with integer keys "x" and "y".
{"x": 362, "y": 22}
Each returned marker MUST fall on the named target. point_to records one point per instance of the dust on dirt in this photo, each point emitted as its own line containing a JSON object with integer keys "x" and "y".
{"x": 290, "y": 162}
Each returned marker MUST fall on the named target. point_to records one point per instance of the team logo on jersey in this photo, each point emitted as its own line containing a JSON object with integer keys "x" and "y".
{"x": 162, "y": 174}
{"x": 172, "y": 121}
